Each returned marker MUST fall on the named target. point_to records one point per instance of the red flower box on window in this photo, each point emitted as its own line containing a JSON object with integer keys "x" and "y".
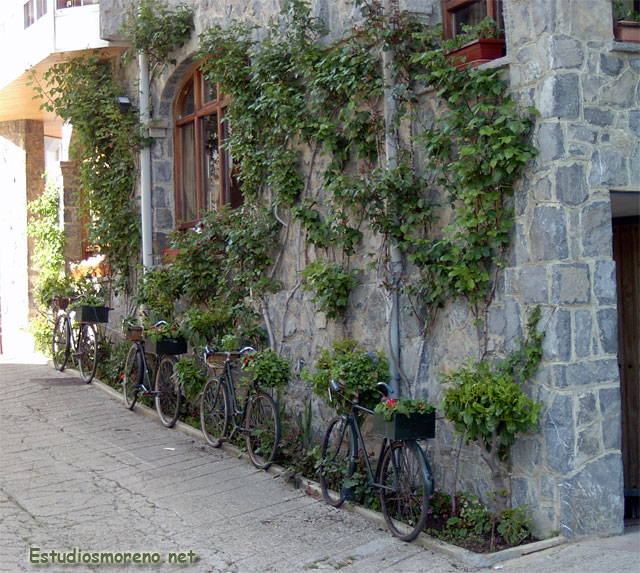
{"x": 477, "y": 52}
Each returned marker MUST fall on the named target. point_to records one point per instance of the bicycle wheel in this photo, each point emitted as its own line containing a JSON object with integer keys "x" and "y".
{"x": 60, "y": 343}
{"x": 263, "y": 430}
{"x": 214, "y": 411}
{"x": 88, "y": 352}
{"x": 406, "y": 486}
{"x": 132, "y": 377}
{"x": 336, "y": 463}
{"x": 168, "y": 396}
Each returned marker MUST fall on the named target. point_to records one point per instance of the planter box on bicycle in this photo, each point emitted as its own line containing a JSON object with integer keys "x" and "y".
{"x": 167, "y": 346}
{"x": 93, "y": 314}
{"x": 402, "y": 427}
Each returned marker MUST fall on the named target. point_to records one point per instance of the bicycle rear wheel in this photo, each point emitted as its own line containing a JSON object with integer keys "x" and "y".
{"x": 263, "y": 430}
{"x": 88, "y": 352}
{"x": 336, "y": 463}
{"x": 406, "y": 486}
{"x": 214, "y": 411}
{"x": 168, "y": 396}
{"x": 132, "y": 377}
{"x": 60, "y": 343}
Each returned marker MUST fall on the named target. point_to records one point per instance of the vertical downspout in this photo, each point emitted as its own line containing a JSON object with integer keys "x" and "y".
{"x": 391, "y": 151}
{"x": 145, "y": 165}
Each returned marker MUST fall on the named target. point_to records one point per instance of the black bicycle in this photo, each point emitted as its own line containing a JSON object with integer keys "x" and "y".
{"x": 402, "y": 474}
{"x": 74, "y": 340}
{"x": 139, "y": 378}
{"x": 256, "y": 415}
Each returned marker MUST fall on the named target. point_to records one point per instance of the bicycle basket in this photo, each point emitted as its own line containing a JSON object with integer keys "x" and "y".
{"x": 60, "y": 302}
{"x": 133, "y": 333}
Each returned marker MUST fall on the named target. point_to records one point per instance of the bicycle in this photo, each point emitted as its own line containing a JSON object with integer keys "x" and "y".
{"x": 80, "y": 343}
{"x": 139, "y": 378}
{"x": 257, "y": 417}
{"x": 402, "y": 474}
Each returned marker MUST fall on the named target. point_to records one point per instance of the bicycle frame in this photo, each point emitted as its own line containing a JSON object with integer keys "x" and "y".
{"x": 238, "y": 413}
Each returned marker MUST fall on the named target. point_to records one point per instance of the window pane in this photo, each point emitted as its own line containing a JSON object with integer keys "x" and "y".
{"x": 210, "y": 91}
{"x": 210, "y": 161}
{"x": 188, "y": 103}
{"x": 29, "y": 16}
{"x": 232, "y": 194}
{"x": 468, "y": 15}
{"x": 188, "y": 207}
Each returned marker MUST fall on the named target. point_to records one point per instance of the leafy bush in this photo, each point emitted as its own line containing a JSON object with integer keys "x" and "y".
{"x": 355, "y": 369}
{"x": 268, "y": 368}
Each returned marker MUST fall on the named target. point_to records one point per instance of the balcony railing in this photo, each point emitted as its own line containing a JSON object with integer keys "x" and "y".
{"x": 75, "y": 3}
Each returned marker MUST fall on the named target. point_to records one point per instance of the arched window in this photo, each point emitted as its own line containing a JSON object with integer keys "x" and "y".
{"x": 203, "y": 168}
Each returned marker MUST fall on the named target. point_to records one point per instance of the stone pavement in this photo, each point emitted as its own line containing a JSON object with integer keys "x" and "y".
{"x": 80, "y": 472}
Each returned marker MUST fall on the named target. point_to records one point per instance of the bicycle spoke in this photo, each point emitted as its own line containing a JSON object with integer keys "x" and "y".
{"x": 263, "y": 430}
{"x": 337, "y": 464}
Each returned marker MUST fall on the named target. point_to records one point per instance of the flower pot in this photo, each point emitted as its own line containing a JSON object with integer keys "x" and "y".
{"x": 627, "y": 31}
{"x": 477, "y": 52}
{"x": 167, "y": 346}
{"x": 134, "y": 333}
{"x": 402, "y": 427}
{"x": 87, "y": 313}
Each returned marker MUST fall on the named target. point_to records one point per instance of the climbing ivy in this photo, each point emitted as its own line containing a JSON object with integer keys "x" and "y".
{"x": 83, "y": 91}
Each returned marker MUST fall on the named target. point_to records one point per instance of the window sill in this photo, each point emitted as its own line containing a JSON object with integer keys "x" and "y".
{"x": 629, "y": 47}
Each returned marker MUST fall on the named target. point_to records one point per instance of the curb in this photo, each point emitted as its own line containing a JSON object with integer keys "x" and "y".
{"x": 312, "y": 488}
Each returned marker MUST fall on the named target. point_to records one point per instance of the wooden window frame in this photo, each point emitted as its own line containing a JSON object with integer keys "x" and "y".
{"x": 450, "y": 6}
{"x": 229, "y": 194}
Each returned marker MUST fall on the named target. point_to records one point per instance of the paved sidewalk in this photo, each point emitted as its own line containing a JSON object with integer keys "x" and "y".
{"x": 79, "y": 471}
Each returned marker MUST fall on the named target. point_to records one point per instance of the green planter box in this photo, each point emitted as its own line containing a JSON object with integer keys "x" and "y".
{"x": 167, "y": 346}
{"x": 401, "y": 427}
{"x": 86, "y": 313}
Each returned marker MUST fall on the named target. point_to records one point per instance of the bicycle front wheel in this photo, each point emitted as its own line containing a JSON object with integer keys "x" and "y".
{"x": 60, "y": 343}
{"x": 88, "y": 352}
{"x": 336, "y": 463}
{"x": 168, "y": 397}
{"x": 263, "y": 430}
{"x": 214, "y": 411}
{"x": 406, "y": 483}
{"x": 132, "y": 377}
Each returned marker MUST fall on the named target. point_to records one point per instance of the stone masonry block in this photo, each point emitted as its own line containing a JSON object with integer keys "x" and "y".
{"x": 557, "y": 428}
{"x": 571, "y": 185}
{"x": 596, "y": 230}
{"x": 587, "y": 373}
{"x": 557, "y": 341}
{"x": 550, "y": 142}
{"x": 548, "y": 235}
{"x": 591, "y": 501}
{"x": 610, "y": 408}
{"x": 608, "y": 330}
{"x": 604, "y": 282}
{"x": 558, "y": 96}
{"x": 534, "y": 284}
{"x": 570, "y": 284}
{"x": 582, "y": 333}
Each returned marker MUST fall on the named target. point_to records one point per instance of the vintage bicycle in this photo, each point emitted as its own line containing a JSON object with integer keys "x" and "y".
{"x": 140, "y": 379}
{"x": 223, "y": 411}
{"x": 402, "y": 474}
{"x": 75, "y": 337}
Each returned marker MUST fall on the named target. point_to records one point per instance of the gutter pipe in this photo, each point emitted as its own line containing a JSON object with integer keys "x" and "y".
{"x": 391, "y": 151}
{"x": 145, "y": 165}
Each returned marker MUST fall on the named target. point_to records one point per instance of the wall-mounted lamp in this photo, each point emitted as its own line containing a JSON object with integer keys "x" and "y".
{"x": 124, "y": 103}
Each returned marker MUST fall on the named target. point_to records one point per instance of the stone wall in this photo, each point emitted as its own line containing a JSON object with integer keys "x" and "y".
{"x": 562, "y": 60}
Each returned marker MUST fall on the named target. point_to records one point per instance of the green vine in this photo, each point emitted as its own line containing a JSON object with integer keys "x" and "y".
{"x": 83, "y": 92}
{"x": 331, "y": 286}
{"x": 157, "y": 30}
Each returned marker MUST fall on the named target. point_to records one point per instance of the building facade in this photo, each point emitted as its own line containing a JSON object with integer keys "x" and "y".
{"x": 574, "y": 250}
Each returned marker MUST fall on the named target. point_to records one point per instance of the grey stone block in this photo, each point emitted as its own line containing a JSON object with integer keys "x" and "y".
{"x": 608, "y": 330}
{"x": 611, "y": 64}
{"x": 570, "y": 284}
{"x": 567, "y": 52}
{"x": 596, "y": 230}
{"x": 534, "y": 284}
{"x": 548, "y": 236}
{"x": 634, "y": 121}
{"x": 610, "y": 408}
{"x": 604, "y": 282}
{"x": 558, "y": 96}
{"x": 557, "y": 341}
{"x": 591, "y": 501}
{"x": 558, "y": 433}
{"x": 586, "y": 373}
{"x": 582, "y": 333}
{"x": 587, "y": 411}
{"x": 598, "y": 116}
{"x": 571, "y": 185}
{"x": 550, "y": 142}
{"x": 582, "y": 133}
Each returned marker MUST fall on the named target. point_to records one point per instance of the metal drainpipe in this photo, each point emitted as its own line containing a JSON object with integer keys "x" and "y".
{"x": 391, "y": 149}
{"x": 145, "y": 165}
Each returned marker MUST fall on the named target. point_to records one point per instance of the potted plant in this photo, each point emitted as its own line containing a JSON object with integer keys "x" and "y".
{"x": 626, "y": 23}
{"x": 191, "y": 377}
{"x": 404, "y": 419}
{"x": 355, "y": 369}
{"x": 475, "y": 45}
{"x": 165, "y": 338}
{"x": 91, "y": 297}
{"x": 268, "y": 369}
